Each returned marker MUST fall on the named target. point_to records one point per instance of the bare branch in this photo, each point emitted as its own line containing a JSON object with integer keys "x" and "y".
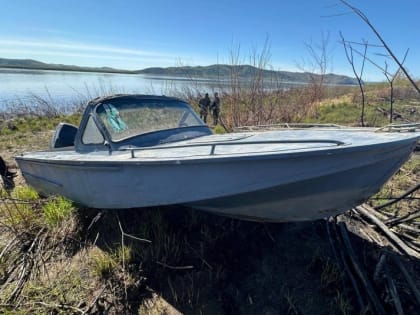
{"x": 350, "y": 57}
{"x": 363, "y": 44}
{"x": 366, "y": 20}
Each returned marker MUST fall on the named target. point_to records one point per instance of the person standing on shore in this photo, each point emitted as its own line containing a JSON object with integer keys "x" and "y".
{"x": 204, "y": 105}
{"x": 215, "y": 107}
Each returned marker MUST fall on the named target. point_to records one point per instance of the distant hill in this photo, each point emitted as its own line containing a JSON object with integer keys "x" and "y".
{"x": 244, "y": 71}
{"x": 34, "y": 64}
{"x": 213, "y": 71}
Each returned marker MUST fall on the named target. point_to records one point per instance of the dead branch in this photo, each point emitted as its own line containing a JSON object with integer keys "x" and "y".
{"x": 174, "y": 267}
{"x": 379, "y": 267}
{"x": 123, "y": 256}
{"x": 407, "y": 250}
{"x": 405, "y": 218}
{"x": 408, "y": 192}
{"x": 393, "y": 291}
{"x": 343, "y": 260}
{"x": 132, "y": 236}
{"x": 407, "y": 277}
{"x": 360, "y": 272}
{"x": 200, "y": 256}
{"x": 391, "y": 80}
{"x": 350, "y": 58}
{"x": 95, "y": 300}
{"x": 409, "y": 228}
{"x": 366, "y": 20}
{"x": 387, "y": 216}
{"x": 57, "y": 306}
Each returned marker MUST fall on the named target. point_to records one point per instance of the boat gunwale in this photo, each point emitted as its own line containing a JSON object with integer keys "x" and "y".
{"x": 220, "y": 158}
{"x": 213, "y": 145}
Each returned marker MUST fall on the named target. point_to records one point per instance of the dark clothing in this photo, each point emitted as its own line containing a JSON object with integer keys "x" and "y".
{"x": 204, "y": 105}
{"x": 6, "y": 175}
{"x": 215, "y": 107}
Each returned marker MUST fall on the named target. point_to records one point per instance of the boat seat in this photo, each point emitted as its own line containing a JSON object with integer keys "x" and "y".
{"x": 64, "y": 136}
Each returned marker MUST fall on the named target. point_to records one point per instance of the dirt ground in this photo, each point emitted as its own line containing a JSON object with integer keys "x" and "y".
{"x": 215, "y": 265}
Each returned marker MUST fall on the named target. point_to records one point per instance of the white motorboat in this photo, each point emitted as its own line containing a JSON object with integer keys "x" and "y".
{"x": 134, "y": 151}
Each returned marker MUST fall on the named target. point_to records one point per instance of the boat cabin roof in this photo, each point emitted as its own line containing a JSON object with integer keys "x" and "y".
{"x": 126, "y": 120}
{"x": 129, "y": 97}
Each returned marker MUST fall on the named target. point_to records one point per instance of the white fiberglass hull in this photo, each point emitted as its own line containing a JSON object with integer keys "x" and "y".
{"x": 281, "y": 183}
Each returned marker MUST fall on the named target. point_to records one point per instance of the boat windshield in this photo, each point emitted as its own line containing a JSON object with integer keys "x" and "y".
{"x": 127, "y": 119}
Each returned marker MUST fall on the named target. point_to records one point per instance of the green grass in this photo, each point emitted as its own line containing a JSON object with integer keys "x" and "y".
{"x": 57, "y": 295}
{"x": 219, "y": 129}
{"x": 407, "y": 177}
{"x": 33, "y": 124}
{"x": 20, "y": 214}
{"x": 57, "y": 210}
{"x": 25, "y": 193}
{"x": 102, "y": 263}
{"x": 348, "y": 114}
{"x": 123, "y": 254}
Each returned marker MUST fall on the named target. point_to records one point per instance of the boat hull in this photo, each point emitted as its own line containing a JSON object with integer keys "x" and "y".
{"x": 309, "y": 199}
{"x": 267, "y": 187}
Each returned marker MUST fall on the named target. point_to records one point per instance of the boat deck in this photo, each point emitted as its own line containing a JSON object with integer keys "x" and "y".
{"x": 239, "y": 144}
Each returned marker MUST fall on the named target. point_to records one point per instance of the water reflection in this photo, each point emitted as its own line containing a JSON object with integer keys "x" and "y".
{"x": 65, "y": 87}
{"x": 16, "y": 84}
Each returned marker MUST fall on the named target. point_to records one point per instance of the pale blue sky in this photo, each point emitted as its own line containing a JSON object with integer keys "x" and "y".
{"x": 139, "y": 34}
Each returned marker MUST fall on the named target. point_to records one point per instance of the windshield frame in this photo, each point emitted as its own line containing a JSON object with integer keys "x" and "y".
{"x": 118, "y": 110}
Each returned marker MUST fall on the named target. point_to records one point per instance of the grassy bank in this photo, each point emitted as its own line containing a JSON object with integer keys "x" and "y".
{"x": 57, "y": 258}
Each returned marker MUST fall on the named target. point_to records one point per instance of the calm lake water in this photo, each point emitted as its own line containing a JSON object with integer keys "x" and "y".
{"x": 66, "y": 87}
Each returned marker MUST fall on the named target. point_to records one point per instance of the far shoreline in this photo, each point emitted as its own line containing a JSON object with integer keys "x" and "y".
{"x": 116, "y": 71}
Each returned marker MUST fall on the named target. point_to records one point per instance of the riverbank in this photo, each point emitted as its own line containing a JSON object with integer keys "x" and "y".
{"x": 58, "y": 258}
{"x": 148, "y": 261}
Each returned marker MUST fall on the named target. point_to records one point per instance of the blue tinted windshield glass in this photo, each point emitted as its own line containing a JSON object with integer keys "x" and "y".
{"x": 127, "y": 119}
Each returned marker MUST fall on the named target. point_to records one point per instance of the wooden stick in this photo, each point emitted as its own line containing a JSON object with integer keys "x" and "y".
{"x": 393, "y": 291}
{"x": 407, "y": 250}
{"x": 348, "y": 270}
{"x": 330, "y": 238}
{"x": 174, "y": 267}
{"x": 95, "y": 300}
{"x": 407, "y": 277}
{"x": 58, "y": 306}
{"x": 405, "y": 218}
{"x": 123, "y": 257}
{"x": 413, "y": 240}
{"x": 409, "y": 228}
{"x": 200, "y": 256}
{"x": 408, "y": 192}
{"x": 385, "y": 217}
{"x": 358, "y": 268}
{"x": 379, "y": 267}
